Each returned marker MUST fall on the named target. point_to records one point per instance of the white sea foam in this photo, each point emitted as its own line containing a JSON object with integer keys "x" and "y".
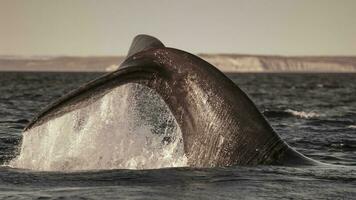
{"x": 111, "y": 133}
{"x": 352, "y": 126}
{"x": 302, "y": 114}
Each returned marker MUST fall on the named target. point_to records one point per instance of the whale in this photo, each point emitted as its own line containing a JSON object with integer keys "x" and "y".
{"x": 220, "y": 124}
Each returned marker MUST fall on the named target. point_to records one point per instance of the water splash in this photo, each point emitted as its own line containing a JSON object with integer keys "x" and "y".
{"x": 122, "y": 130}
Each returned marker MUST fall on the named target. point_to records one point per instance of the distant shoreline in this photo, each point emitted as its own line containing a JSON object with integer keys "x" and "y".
{"x": 228, "y": 63}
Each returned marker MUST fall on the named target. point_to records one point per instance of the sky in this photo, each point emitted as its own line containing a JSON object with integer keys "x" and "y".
{"x": 106, "y": 27}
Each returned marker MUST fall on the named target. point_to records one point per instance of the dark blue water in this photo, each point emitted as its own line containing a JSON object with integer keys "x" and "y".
{"x": 315, "y": 113}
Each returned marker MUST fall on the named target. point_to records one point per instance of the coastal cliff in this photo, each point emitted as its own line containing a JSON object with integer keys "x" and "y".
{"x": 225, "y": 62}
{"x": 254, "y": 63}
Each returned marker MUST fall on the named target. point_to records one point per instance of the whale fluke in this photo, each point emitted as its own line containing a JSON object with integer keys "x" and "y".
{"x": 220, "y": 124}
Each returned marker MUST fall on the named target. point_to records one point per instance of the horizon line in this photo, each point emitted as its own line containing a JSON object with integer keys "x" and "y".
{"x": 199, "y": 54}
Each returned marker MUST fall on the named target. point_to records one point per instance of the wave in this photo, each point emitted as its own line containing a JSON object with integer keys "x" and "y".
{"x": 17, "y": 121}
{"x": 291, "y": 113}
{"x": 303, "y": 114}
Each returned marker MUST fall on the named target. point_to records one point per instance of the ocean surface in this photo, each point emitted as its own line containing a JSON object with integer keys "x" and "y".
{"x": 314, "y": 113}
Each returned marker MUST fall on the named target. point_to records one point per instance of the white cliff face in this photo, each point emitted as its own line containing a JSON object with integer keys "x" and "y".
{"x": 250, "y": 63}
{"x": 232, "y": 64}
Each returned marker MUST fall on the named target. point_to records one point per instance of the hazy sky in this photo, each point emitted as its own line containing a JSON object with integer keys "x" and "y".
{"x": 104, "y": 27}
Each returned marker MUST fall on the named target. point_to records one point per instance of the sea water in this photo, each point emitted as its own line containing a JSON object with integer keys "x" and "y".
{"x": 73, "y": 157}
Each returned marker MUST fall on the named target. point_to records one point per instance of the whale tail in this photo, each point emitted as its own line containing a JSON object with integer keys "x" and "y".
{"x": 142, "y": 43}
{"x": 220, "y": 124}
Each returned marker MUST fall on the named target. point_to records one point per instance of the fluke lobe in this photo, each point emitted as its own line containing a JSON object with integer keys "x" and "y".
{"x": 221, "y": 126}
